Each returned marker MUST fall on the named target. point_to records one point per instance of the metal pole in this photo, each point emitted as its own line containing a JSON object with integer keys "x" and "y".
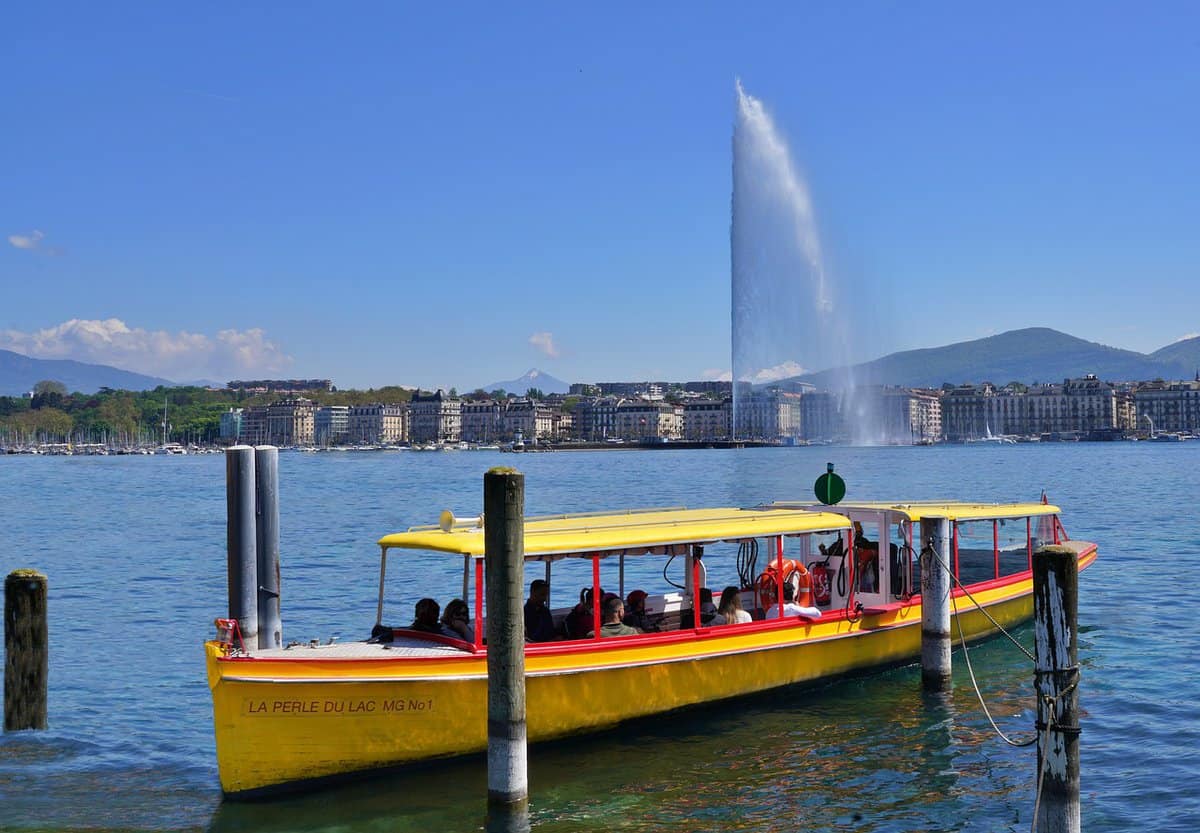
{"x": 26, "y": 651}
{"x": 1056, "y": 680}
{"x": 241, "y": 541}
{"x": 504, "y": 557}
{"x": 266, "y": 478}
{"x": 935, "y": 604}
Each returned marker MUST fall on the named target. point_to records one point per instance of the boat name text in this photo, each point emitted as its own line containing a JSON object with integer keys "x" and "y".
{"x": 338, "y": 706}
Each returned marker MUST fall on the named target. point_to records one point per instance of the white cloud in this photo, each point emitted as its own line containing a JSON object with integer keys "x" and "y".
{"x": 716, "y": 374}
{"x": 27, "y": 241}
{"x": 180, "y": 356}
{"x": 779, "y": 371}
{"x": 1186, "y": 337}
{"x": 544, "y": 342}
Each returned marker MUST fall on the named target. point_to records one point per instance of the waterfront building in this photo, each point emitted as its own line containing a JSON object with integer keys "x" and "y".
{"x": 291, "y": 422}
{"x": 331, "y": 425}
{"x": 770, "y": 415}
{"x": 711, "y": 388}
{"x": 531, "y": 419}
{"x": 1076, "y": 406}
{"x": 596, "y": 418}
{"x": 377, "y": 424}
{"x": 231, "y": 425}
{"x": 820, "y": 416}
{"x": 641, "y": 420}
{"x": 1172, "y": 406}
{"x": 253, "y": 429}
{"x": 435, "y": 418}
{"x": 482, "y": 421}
{"x": 901, "y": 416}
{"x": 707, "y": 419}
{"x": 965, "y": 411}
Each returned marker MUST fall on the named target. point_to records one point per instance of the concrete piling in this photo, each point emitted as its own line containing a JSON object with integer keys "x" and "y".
{"x": 1056, "y": 680}
{"x": 26, "y": 651}
{"x": 935, "y": 604}
{"x": 241, "y": 541}
{"x": 504, "y": 557}
{"x": 266, "y": 479}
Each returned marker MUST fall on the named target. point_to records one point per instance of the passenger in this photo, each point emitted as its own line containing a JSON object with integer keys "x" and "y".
{"x": 580, "y": 620}
{"x": 708, "y": 610}
{"x": 790, "y": 608}
{"x": 614, "y": 609}
{"x": 731, "y": 607}
{"x": 426, "y": 616}
{"x": 635, "y": 612}
{"x": 539, "y": 622}
{"x": 456, "y": 621}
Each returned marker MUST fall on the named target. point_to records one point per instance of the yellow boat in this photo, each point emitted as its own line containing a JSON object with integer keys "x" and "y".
{"x": 288, "y": 716}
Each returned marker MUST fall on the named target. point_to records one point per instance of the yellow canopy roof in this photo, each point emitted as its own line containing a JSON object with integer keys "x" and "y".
{"x": 624, "y": 531}
{"x": 955, "y": 511}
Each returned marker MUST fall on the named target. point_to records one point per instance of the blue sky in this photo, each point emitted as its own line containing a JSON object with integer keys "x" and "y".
{"x": 409, "y": 194}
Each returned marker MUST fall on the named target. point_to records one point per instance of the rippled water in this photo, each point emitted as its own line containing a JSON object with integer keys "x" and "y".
{"x": 134, "y": 551}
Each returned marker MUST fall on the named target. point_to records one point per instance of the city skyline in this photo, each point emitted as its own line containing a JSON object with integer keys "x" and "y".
{"x": 439, "y": 199}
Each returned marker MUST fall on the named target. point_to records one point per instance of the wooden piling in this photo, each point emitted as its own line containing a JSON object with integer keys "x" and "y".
{"x": 935, "y": 604}
{"x": 266, "y": 482}
{"x": 504, "y": 557}
{"x": 241, "y": 543}
{"x": 26, "y": 651}
{"x": 1056, "y": 680}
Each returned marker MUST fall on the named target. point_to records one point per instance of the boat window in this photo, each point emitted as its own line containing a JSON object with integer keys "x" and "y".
{"x": 866, "y": 548}
{"x": 976, "y": 557}
{"x": 1011, "y": 552}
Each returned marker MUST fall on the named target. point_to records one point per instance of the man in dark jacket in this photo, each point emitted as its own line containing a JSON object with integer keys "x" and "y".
{"x": 539, "y": 623}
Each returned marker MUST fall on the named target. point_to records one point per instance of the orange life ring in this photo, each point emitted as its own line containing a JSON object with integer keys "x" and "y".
{"x": 794, "y": 573}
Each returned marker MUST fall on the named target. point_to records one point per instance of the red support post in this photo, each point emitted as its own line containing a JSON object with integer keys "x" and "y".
{"x": 478, "y": 602}
{"x": 955, "y": 538}
{"x": 996, "y": 547}
{"x": 1029, "y": 543}
{"x": 779, "y": 573}
{"x": 596, "y": 595}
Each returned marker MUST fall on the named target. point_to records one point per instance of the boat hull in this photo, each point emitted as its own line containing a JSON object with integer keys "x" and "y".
{"x": 280, "y": 721}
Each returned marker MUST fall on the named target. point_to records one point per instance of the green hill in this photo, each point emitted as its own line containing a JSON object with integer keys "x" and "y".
{"x": 1185, "y": 354}
{"x": 1034, "y": 354}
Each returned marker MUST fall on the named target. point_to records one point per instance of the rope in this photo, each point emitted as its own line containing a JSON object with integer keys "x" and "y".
{"x": 975, "y": 684}
{"x": 1049, "y": 701}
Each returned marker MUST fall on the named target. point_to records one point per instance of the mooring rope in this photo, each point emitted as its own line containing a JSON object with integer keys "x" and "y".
{"x": 1050, "y": 702}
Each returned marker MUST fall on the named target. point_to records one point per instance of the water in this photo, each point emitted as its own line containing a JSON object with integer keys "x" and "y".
{"x": 785, "y": 317}
{"x": 134, "y": 549}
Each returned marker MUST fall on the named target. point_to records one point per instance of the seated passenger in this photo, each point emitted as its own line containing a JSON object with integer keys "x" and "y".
{"x": 426, "y": 618}
{"x": 790, "y": 608}
{"x": 731, "y": 607}
{"x": 456, "y": 621}
{"x": 539, "y": 622}
{"x": 614, "y": 609}
{"x": 635, "y": 613}
{"x": 580, "y": 620}
{"x": 708, "y": 610}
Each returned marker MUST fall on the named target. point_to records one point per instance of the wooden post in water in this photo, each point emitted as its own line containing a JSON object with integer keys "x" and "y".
{"x": 504, "y": 562}
{"x": 241, "y": 543}
{"x": 935, "y": 604}
{"x": 26, "y": 651}
{"x": 1056, "y": 680}
{"x": 266, "y": 480}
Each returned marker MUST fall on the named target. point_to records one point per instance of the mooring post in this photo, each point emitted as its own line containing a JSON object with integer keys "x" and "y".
{"x": 26, "y": 651}
{"x": 935, "y": 604}
{"x": 1056, "y": 680}
{"x": 241, "y": 541}
{"x": 504, "y": 563}
{"x": 266, "y": 478}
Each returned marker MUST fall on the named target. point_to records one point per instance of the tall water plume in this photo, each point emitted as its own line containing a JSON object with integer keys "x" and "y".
{"x": 784, "y": 315}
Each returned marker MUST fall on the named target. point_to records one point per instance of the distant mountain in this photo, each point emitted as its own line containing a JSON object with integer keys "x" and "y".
{"x": 1185, "y": 353}
{"x": 1034, "y": 354}
{"x": 18, "y": 375}
{"x": 534, "y": 378}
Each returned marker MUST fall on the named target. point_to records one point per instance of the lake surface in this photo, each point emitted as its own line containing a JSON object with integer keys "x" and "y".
{"x": 134, "y": 551}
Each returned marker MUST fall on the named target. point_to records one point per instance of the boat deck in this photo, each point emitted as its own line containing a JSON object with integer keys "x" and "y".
{"x": 401, "y": 647}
